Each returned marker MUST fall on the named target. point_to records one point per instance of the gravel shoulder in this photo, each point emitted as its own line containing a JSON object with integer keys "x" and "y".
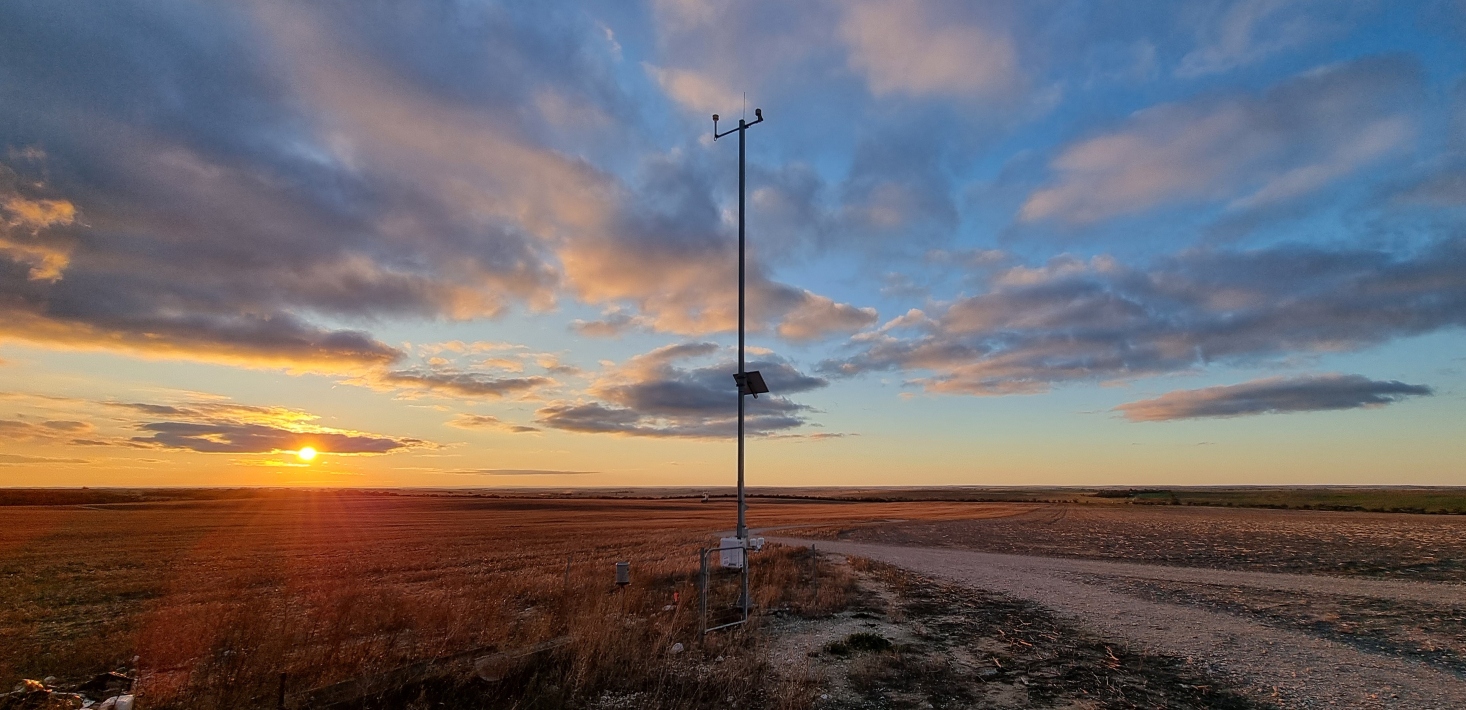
{"x": 1267, "y": 661}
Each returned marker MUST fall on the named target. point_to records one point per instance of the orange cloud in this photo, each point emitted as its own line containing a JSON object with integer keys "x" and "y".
{"x": 24, "y": 225}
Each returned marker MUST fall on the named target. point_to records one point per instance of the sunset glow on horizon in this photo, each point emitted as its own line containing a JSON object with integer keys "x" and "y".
{"x": 493, "y": 244}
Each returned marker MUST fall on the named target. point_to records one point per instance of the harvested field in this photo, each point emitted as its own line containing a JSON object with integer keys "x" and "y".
{"x": 1380, "y": 545}
{"x": 217, "y": 598}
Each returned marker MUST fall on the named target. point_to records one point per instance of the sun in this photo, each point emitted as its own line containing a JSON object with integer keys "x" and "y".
{"x": 306, "y": 453}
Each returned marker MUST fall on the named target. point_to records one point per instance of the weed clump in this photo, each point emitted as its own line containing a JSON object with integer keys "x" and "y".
{"x": 859, "y": 642}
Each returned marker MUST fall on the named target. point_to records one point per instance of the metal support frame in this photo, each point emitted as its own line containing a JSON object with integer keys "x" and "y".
{"x": 702, "y": 589}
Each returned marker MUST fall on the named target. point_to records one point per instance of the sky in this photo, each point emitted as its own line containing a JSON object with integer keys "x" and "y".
{"x": 481, "y": 244}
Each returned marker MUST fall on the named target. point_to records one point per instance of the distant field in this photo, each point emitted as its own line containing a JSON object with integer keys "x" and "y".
{"x": 1340, "y": 543}
{"x": 1387, "y": 500}
{"x": 1373, "y": 499}
{"x": 219, "y": 592}
{"x": 1383, "y": 499}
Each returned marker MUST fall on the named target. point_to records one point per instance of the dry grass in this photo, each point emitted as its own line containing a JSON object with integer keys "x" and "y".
{"x": 218, "y": 598}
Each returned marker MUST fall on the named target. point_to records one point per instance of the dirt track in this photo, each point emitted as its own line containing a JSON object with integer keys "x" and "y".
{"x": 1281, "y": 665}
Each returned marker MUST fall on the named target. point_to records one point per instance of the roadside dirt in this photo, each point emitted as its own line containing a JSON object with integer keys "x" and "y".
{"x": 913, "y": 642}
{"x": 1430, "y": 633}
{"x": 1267, "y": 663}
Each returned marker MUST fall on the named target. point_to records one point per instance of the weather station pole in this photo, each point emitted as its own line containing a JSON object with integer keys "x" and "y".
{"x": 749, "y": 383}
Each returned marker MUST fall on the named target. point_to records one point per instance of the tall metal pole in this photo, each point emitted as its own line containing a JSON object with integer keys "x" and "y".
{"x": 742, "y": 531}
{"x": 742, "y": 128}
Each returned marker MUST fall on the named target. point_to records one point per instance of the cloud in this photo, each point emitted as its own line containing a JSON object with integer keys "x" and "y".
{"x": 24, "y": 430}
{"x": 1445, "y": 187}
{"x": 916, "y": 49}
{"x": 462, "y": 384}
{"x": 614, "y": 322}
{"x": 227, "y": 206}
{"x": 1274, "y": 395}
{"x": 249, "y": 174}
{"x": 30, "y": 227}
{"x": 669, "y": 253}
{"x": 694, "y": 90}
{"x": 1249, "y": 151}
{"x": 235, "y": 437}
{"x": 658, "y": 394}
{"x": 18, "y": 460}
{"x": 215, "y": 426}
{"x": 819, "y": 317}
{"x": 1075, "y": 320}
{"x": 529, "y": 472}
{"x": 709, "y": 53}
{"x": 1244, "y": 32}
{"x": 486, "y": 421}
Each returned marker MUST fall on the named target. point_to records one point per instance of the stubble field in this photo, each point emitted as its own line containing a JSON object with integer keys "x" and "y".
{"x": 215, "y": 599}
{"x": 208, "y": 599}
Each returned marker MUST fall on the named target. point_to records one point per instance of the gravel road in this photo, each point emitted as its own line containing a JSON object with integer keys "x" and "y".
{"x": 1286, "y": 667}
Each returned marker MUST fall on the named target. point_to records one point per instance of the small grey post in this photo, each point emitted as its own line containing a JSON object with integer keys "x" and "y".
{"x": 702, "y": 593}
{"x": 814, "y": 571}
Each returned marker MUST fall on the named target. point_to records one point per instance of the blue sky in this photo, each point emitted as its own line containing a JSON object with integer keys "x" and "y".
{"x": 483, "y": 244}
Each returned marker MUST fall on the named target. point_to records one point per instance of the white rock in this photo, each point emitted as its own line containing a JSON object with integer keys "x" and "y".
{"x": 677, "y": 648}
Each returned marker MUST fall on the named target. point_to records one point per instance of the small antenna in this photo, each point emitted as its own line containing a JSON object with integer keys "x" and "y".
{"x": 745, "y": 104}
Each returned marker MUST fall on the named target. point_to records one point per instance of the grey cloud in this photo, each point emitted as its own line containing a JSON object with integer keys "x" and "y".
{"x": 219, "y": 214}
{"x": 613, "y": 323}
{"x": 669, "y": 253}
{"x": 241, "y": 437}
{"x": 598, "y": 418}
{"x": 897, "y": 195}
{"x": 462, "y": 384}
{"x": 487, "y": 421}
{"x": 1445, "y": 187}
{"x": 656, "y": 395}
{"x": 1274, "y": 395}
{"x": 245, "y": 173}
{"x": 22, "y": 430}
{"x": 221, "y": 426}
{"x": 17, "y": 430}
{"x": 528, "y": 472}
{"x": 1074, "y": 320}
